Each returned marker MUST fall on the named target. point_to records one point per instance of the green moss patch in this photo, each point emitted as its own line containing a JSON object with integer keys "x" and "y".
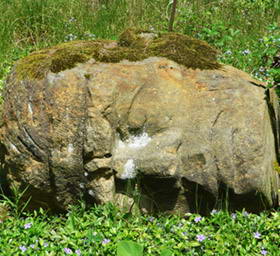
{"x": 185, "y": 50}
{"x": 135, "y": 38}
{"x": 58, "y": 58}
{"x": 133, "y": 45}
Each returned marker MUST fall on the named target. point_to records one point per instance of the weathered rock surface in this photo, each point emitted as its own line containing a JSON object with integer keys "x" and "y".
{"x": 187, "y": 136}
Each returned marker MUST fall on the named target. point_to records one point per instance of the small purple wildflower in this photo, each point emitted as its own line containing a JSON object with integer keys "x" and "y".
{"x": 151, "y": 219}
{"x": 246, "y": 52}
{"x": 257, "y": 235}
{"x": 32, "y": 246}
{"x": 78, "y": 252}
{"x": 245, "y": 214}
{"x": 262, "y": 69}
{"x": 71, "y": 37}
{"x": 27, "y": 225}
{"x": 22, "y": 248}
{"x": 264, "y": 252}
{"x": 214, "y": 211}
{"x": 200, "y": 238}
{"x": 46, "y": 244}
{"x": 197, "y": 219}
{"x": 106, "y": 241}
{"x": 184, "y": 233}
{"x": 233, "y": 216}
{"x": 257, "y": 74}
{"x": 67, "y": 250}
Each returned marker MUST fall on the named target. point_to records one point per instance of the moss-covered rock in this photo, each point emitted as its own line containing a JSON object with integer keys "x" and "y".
{"x": 135, "y": 38}
{"x": 57, "y": 58}
{"x": 133, "y": 45}
{"x": 185, "y": 50}
{"x": 185, "y": 135}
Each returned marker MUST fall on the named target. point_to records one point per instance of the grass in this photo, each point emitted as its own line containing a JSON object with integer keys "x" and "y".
{"x": 247, "y": 34}
{"x": 97, "y": 231}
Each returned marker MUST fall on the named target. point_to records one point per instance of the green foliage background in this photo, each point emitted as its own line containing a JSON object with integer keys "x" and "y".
{"x": 235, "y": 27}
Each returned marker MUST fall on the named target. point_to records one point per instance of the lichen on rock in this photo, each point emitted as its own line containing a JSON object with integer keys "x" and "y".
{"x": 133, "y": 45}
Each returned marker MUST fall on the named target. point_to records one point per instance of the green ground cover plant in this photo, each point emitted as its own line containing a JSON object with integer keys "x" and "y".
{"x": 105, "y": 230}
{"x": 247, "y": 35}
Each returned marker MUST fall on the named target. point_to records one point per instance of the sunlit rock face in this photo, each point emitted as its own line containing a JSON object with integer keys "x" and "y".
{"x": 185, "y": 137}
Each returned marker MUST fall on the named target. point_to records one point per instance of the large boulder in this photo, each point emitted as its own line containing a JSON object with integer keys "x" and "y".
{"x": 78, "y": 126}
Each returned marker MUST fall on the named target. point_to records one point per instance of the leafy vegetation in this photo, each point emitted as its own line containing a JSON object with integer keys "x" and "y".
{"x": 247, "y": 35}
{"x": 105, "y": 230}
